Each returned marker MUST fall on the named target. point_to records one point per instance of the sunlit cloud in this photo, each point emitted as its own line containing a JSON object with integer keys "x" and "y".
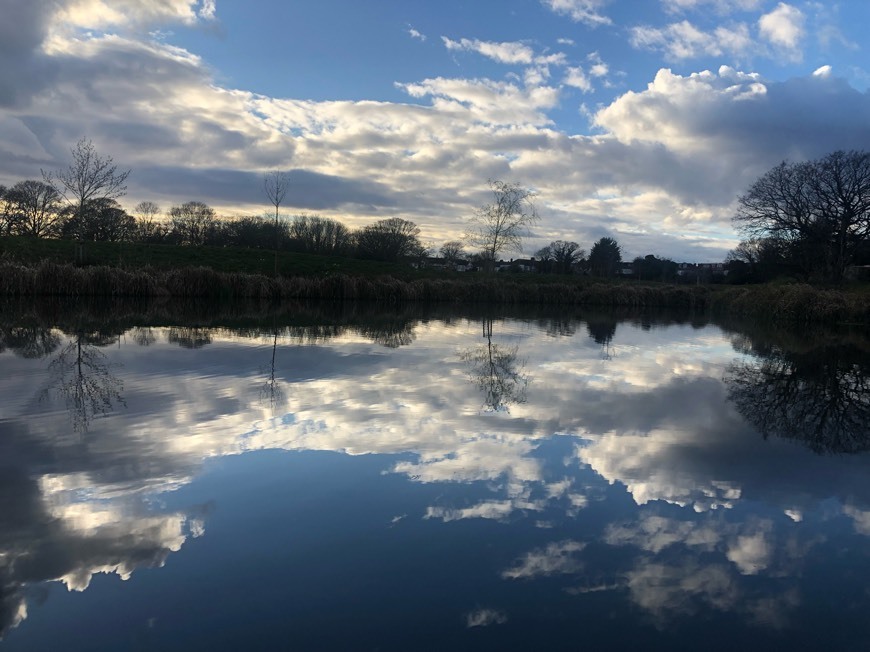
{"x": 784, "y": 29}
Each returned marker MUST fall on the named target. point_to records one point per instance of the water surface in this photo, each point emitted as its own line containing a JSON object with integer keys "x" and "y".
{"x": 434, "y": 482}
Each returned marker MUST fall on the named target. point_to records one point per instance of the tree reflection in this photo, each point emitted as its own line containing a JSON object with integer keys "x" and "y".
{"x": 602, "y": 330}
{"x": 30, "y": 342}
{"x": 272, "y": 390}
{"x": 391, "y": 334}
{"x": 820, "y": 397}
{"x": 189, "y": 337}
{"x": 497, "y": 372}
{"x": 82, "y": 375}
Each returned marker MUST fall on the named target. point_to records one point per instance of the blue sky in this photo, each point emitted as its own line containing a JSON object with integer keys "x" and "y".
{"x": 642, "y": 121}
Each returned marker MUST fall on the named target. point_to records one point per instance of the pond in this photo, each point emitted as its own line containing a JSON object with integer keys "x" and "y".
{"x": 181, "y": 478}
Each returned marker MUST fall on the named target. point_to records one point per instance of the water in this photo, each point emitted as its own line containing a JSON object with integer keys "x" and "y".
{"x": 429, "y": 481}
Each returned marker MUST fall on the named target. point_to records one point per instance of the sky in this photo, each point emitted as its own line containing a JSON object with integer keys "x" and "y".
{"x": 638, "y": 120}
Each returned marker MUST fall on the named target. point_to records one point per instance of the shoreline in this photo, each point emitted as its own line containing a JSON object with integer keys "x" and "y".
{"x": 787, "y": 303}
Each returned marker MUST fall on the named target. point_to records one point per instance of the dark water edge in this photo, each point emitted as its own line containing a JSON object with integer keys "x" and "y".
{"x": 782, "y": 303}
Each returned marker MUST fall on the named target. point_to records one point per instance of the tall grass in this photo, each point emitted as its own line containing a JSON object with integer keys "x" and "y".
{"x": 786, "y": 303}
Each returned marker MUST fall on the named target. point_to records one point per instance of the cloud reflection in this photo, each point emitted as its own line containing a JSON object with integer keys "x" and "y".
{"x": 653, "y": 422}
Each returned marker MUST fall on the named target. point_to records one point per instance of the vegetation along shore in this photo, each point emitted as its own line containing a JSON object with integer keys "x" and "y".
{"x": 792, "y": 303}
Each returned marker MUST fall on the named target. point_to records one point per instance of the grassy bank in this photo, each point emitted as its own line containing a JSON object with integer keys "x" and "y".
{"x": 52, "y": 279}
{"x": 246, "y": 275}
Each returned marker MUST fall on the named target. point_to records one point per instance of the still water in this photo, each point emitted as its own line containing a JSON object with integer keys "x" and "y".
{"x": 430, "y": 481}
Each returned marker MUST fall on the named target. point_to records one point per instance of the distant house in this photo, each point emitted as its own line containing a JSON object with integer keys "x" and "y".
{"x": 517, "y": 265}
{"x": 701, "y": 271}
{"x": 434, "y": 262}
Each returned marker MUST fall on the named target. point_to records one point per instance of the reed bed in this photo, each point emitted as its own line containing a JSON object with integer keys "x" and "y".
{"x": 785, "y": 303}
{"x": 794, "y": 304}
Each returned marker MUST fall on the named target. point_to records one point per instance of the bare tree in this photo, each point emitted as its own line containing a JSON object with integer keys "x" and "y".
{"x": 148, "y": 227}
{"x": 88, "y": 178}
{"x": 820, "y": 209}
{"x": 313, "y": 234}
{"x": 275, "y": 185}
{"x": 501, "y": 225}
{"x": 193, "y": 222}
{"x": 452, "y": 252}
{"x": 8, "y": 216}
{"x": 35, "y": 208}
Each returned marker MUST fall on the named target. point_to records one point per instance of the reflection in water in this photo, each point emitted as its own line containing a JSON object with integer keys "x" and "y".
{"x": 630, "y": 491}
{"x": 82, "y": 375}
{"x": 29, "y": 341}
{"x": 272, "y": 392}
{"x": 497, "y": 372}
{"x": 602, "y": 330}
{"x": 820, "y": 396}
{"x": 190, "y": 337}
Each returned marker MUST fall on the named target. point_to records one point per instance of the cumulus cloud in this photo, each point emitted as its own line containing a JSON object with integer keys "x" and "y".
{"x": 102, "y": 14}
{"x": 784, "y": 28}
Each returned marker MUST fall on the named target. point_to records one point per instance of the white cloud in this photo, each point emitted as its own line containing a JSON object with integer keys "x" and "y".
{"x": 577, "y": 78}
{"x": 508, "y": 53}
{"x": 581, "y": 11}
{"x": 597, "y": 66}
{"x": 416, "y": 34}
{"x": 102, "y": 14}
{"x": 750, "y": 553}
{"x": 784, "y": 28}
{"x": 555, "y": 559}
{"x": 679, "y": 41}
{"x": 720, "y": 6}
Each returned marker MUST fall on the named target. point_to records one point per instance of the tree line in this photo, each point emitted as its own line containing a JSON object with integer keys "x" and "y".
{"x": 808, "y": 219}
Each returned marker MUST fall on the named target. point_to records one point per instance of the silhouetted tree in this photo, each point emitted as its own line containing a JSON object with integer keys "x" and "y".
{"x": 650, "y": 268}
{"x": 102, "y": 220}
{"x": 34, "y": 209}
{"x": 320, "y": 235}
{"x": 148, "y": 225}
{"x": 193, "y": 223}
{"x": 275, "y": 185}
{"x": 560, "y": 256}
{"x": 89, "y": 177}
{"x": 7, "y": 215}
{"x": 389, "y": 240}
{"x": 452, "y": 252}
{"x": 820, "y": 209}
{"x": 605, "y": 257}
{"x": 500, "y": 226}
